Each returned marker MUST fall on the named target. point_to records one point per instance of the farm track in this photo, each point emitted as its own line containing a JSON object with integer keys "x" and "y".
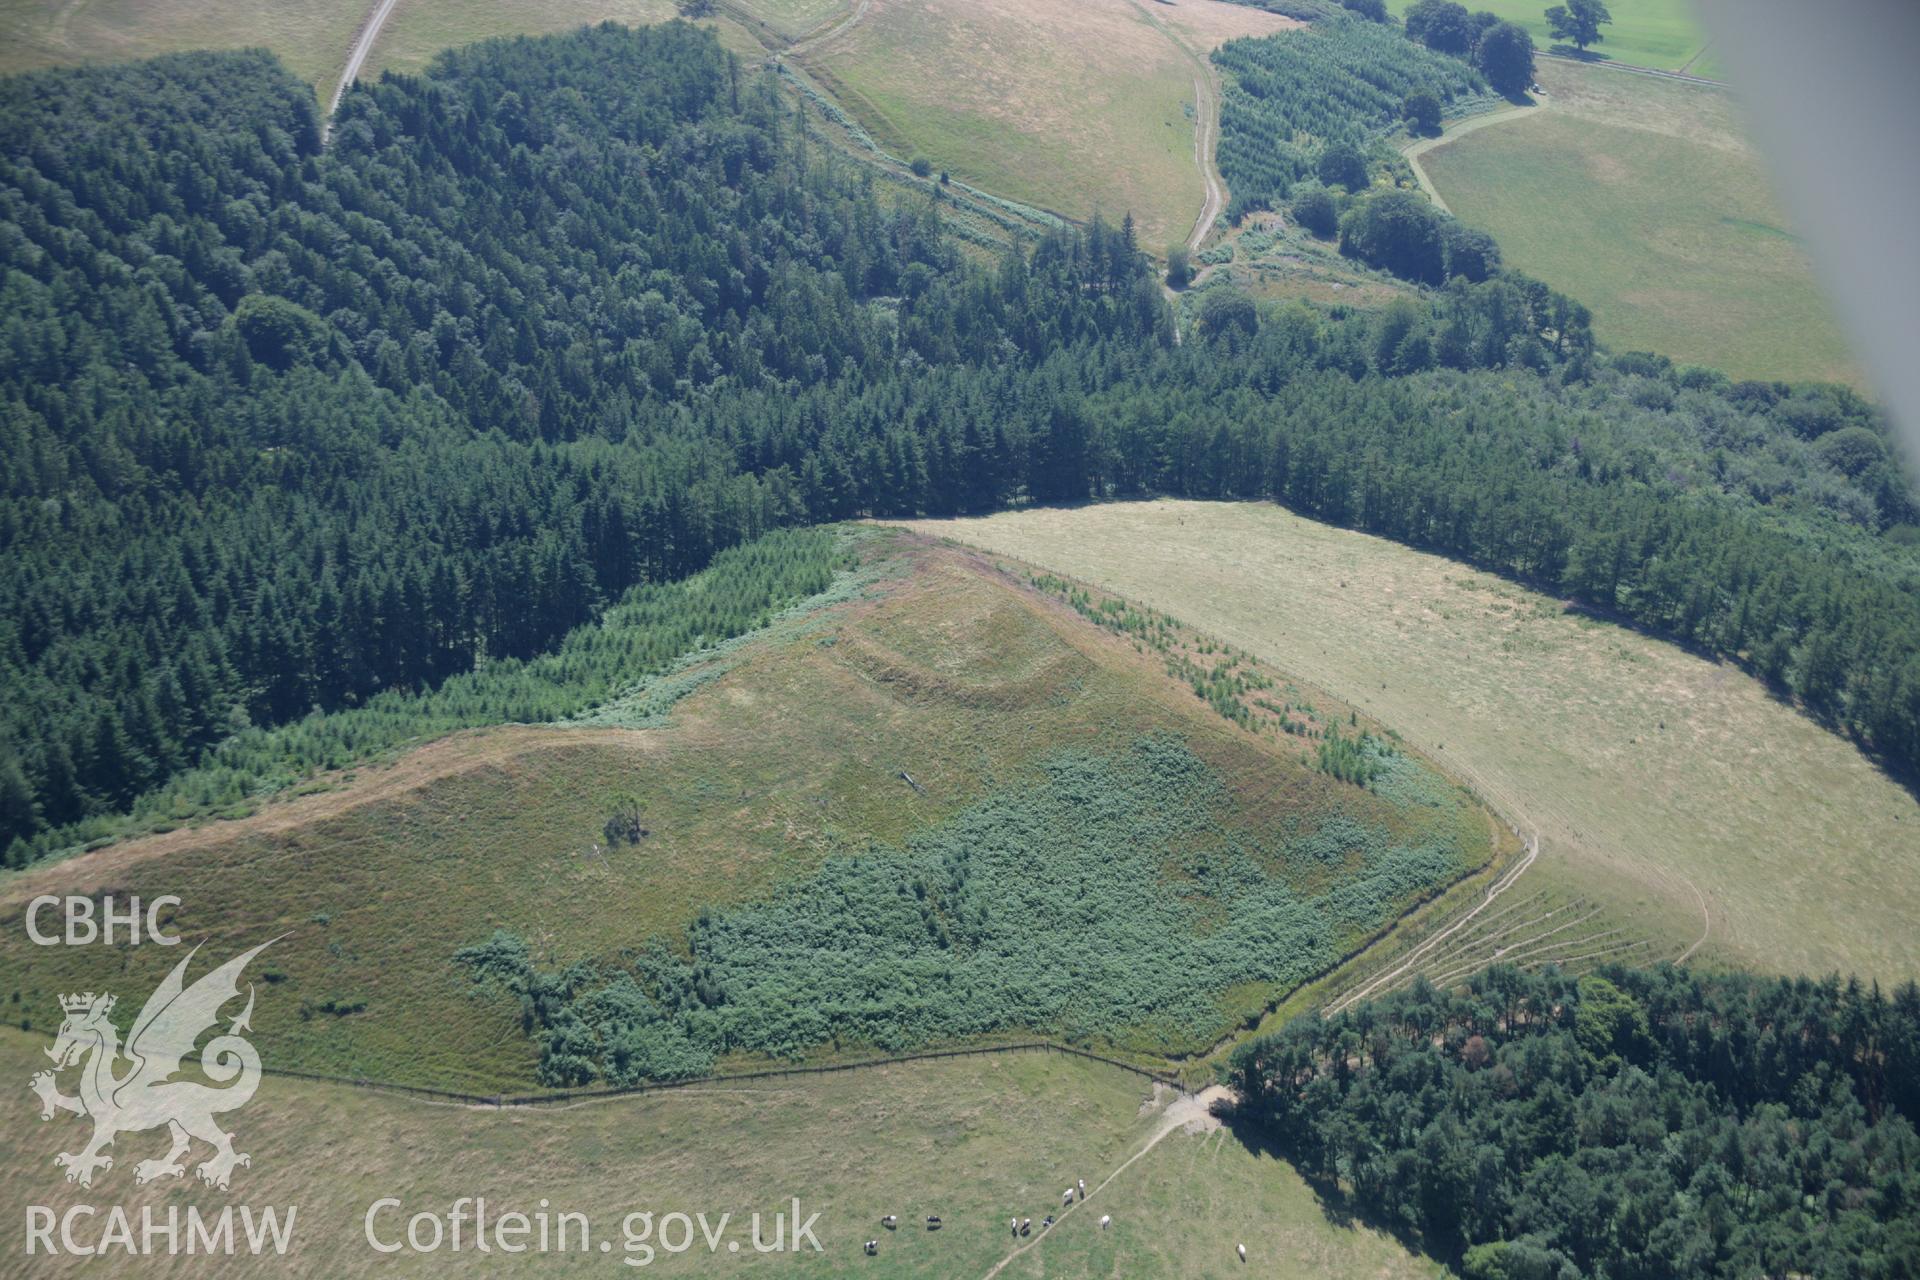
{"x": 1473, "y": 940}
{"x": 1206, "y": 138}
{"x": 1459, "y": 129}
{"x": 1574, "y": 935}
{"x": 1497, "y": 799}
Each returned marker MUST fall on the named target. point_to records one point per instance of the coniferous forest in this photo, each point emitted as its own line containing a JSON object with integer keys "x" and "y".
{"x": 1632, "y": 1124}
{"x": 287, "y": 426}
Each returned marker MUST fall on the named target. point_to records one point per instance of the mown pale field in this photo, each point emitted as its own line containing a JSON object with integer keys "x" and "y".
{"x": 1074, "y": 107}
{"x": 1648, "y": 771}
{"x": 310, "y": 36}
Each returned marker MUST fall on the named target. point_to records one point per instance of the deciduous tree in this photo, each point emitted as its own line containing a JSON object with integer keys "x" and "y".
{"x": 1504, "y": 55}
{"x": 1578, "y": 22}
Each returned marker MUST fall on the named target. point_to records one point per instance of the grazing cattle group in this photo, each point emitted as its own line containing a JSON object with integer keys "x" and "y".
{"x": 1019, "y": 1227}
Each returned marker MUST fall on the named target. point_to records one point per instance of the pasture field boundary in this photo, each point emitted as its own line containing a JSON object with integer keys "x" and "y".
{"x": 1634, "y": 70}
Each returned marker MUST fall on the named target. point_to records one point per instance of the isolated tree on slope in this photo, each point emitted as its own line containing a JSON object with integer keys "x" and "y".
{"x": 1578, "y": 22}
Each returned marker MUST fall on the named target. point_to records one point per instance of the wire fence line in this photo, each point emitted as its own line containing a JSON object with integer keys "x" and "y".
{"x": 560, "y": 1097}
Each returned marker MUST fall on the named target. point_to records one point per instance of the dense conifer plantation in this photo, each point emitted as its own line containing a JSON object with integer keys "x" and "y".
{"x": 1630, "y": 1125}
{"x": 286, "y": 428}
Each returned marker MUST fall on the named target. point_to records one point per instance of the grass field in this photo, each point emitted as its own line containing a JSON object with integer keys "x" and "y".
{"x": 1648, "y": 771}
{"x": 1645, "y": 200}
{"x": 1070, "y": 105}
{"x": 419, "y": 29}
{"x": 1665, "y": 34}
{"x": 938, "y": 698}
{"x": 795, "y": 18}
{"x": 974, "y": 1140}
{"x": 311, "y": 36}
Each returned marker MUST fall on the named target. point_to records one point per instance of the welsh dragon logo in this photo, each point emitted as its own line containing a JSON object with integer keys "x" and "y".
{"x": 146, "y": 1095}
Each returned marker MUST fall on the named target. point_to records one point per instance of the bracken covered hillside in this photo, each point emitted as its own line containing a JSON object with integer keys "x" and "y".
{"x": 945, "y": 805}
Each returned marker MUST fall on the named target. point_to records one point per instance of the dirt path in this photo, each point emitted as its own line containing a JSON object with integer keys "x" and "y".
{"x": 60, "y": 30}
{"x": 357, "y": 55}
{"x": 1206, "y": 138}
{"x": 1706, "y": 921}
{"x": 1414, "y": 150}
{"x": 831, "y": 33}
{"x": 1191, "y": 1111}
{"x": 1506, "y": 881}
{"x": 1686, "y": 68}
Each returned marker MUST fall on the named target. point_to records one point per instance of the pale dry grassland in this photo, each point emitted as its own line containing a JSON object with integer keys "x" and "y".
{"x": 973, "y": 1140}
{"x": 1651, "y": 773}
{"x": 1070, "y": 105}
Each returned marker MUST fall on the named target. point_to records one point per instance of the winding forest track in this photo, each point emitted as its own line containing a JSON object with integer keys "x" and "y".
{"x": 1206, "y": 138}
{"x": 357, "y": 56}
{"x": 1206, "y": 127}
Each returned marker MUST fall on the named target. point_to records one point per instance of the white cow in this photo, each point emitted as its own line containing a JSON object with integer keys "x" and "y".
{"x": 1066, "y": 1197}
{"x": 1243, "y": 1251}
{"x": 1106, "y": 1220}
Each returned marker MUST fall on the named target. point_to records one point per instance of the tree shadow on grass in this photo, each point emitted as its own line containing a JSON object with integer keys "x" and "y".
{"x": 1336, "y": 1206}
{"x": 1562, "y": 50}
